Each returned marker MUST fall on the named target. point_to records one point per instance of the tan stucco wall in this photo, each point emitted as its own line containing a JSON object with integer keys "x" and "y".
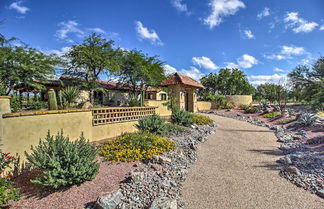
{"x": 4, "y": 104}
{"x": 19, "y": 133}
{"x": 161, "y": 109}
{"x": 240, "y": 99}
{"x": 204, "y": 105}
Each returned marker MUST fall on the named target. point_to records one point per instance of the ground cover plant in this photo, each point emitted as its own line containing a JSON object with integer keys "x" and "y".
{"x": 153, "y": 124}
{"x": 285, "y": 121}
{"x": 64, "y": 162}
{"x": 201, "y": 120}
{"x": 271, "y": 115}
{"x": 253, "y": 109}
{"x": 135, "y": 146}
{"x": 181, "y": 117}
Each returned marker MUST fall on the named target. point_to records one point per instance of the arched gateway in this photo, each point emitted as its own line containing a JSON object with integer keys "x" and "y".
{"x": 183, "y": 89}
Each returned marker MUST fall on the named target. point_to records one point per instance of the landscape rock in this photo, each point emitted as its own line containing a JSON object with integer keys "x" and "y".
{"x": 87, "y": 105}
{"x": 111, "y": 201}
{"x": 292, "y": 169}
{"x": 164, "y": 203}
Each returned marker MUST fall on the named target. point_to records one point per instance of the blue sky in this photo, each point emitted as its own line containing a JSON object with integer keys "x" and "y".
{"x": 266, "y": 39}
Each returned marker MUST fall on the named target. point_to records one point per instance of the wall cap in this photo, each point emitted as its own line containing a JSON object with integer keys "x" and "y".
{"x": 5, "y": 97}
{"x": 44, "y": 112}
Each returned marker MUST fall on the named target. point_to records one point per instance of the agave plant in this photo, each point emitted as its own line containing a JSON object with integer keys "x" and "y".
{"x": 307, "y": 119}
{"x": 70, "y": 94}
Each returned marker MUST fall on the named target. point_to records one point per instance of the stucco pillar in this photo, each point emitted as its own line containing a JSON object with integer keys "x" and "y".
{"x": 4, "y": 108}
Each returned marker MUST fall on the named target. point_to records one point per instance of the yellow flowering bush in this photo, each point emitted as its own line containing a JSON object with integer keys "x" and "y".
{"x": 135, "y": 146}
{"x": 202, "y": 120}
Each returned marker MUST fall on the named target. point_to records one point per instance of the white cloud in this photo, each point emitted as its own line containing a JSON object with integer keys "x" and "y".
{"x": 322, "y": 27}
{"x": 221, "y": 9}
{"x": 180, "y": 6}
{"x": 60, "y": 52}
{"x": 292, "y": 50}
{"x": 299, "y": 24}
{"x": 231, "y": 65}
{"x": 18, "y": 7}
{"x": 193, "y": 73}
{"x": 145, "y": 33}
{"x": 248, "y": 34}
{"x": 169, "y": 69}
{"x": 276, "y": 69}
{"x": 204, "y": 62}
{"x": 264, "y": 13}
{"x": 97, "y": 30}
{"x": 287, "y": 52}
{"x": 261, "y": 79}
{"x": 246, "y": 61}
{"x": 69, "y": 27}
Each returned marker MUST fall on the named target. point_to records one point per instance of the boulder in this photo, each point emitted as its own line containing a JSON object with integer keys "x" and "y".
{"x": 87, "y": 105}
{"x": 164, "y": 203}
{"x": 110, "y": 201}
{"x": 292, "y": 169}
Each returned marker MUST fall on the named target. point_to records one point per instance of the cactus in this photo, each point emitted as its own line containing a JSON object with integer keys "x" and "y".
{"x": 308, "y": 119}
{"x": 52, "y": 103}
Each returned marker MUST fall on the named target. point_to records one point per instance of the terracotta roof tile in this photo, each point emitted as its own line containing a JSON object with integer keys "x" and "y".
{"x": 178, "y": 78}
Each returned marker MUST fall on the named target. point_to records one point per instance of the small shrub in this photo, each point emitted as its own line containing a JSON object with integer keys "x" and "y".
{"x": 135, "y": 146}
{"x": 15, "y": 104}
{"x": 307, "y": 119}
{"x": 285, "y": 121}
{"x": 202, "y": 120}
{"x": 244, "y": 107}
{"x": 225, "y": 104}
{"x": 175, "y": 129}
{"x": 181, "y": 117}
{"x": 7, "y": 192}
{"x": 6, "y": 162}
{"x": 134, "y": 100}
{"x": 153, "y": 124}
{"x": 253, "y": 109}
{"x": 70, "y": 94}
{"x": 64, "y": 162}
{"x": 271, "y": 115}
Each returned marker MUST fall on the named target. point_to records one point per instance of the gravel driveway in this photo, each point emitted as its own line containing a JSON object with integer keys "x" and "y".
{"x": 237, "y": 168}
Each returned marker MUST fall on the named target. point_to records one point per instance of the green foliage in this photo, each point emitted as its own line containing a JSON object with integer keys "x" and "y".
{"x": 63, "y": 162}
{"x": 141, "y": 71}
{"x": 244, "y": 107}
{"x": 181, "y": 117}
{"x": 271, "y": 115}
{"x": 52, "y": 102}
{"x": 266, "y": 92}
{"x": 94, "y": 57}
{"x": 308, "y": 119}
{"x": 134, "y": 100}
{"x": 26, "y": 66}
{"x": 18, "y": 103}
{"x": 153, "y": 124}
{"x": 135, "y": 146}
{"x": 7, "y": 192}
{"x": 201, "y": 120}
{"x": 70, "y": 94}
{"x": 285, "y": 121}
{"x": 175, "y": 129}
{"x": 226, "y": 82}
{"x": 253, "y": 109}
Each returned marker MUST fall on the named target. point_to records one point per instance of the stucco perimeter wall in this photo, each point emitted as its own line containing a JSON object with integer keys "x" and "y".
{"x": 205, "y": 105}
{"x": 161, "y": 109}
{"x": 240, "y": 99}
{"x": 19, "y": 133}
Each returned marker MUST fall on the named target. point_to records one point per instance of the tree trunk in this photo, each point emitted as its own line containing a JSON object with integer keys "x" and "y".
{"x": 92, "y": 97}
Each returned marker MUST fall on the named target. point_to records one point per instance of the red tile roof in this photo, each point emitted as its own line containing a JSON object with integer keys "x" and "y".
{"x": 178, "y": 78}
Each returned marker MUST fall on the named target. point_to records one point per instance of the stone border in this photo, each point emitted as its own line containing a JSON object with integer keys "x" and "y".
{"x": 300, "y": 165}
{"x": 158, "y": 183}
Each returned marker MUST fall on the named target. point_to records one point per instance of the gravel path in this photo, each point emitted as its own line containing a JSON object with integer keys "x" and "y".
{"x": 237, "y": 168}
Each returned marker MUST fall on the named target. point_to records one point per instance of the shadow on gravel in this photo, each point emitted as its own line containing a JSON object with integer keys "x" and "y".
{"x": 268, "y": 165}
{"x": 239, "y": 130}
{"x": 267, "y": 151}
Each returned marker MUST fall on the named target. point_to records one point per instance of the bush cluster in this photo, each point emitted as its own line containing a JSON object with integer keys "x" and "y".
{"x": 308, "y": 119}
{"x": 175, "y": 129}
{"x": 253, "y": 109}
{"x": 135, "y": 146}
{"x": 63, "y": 162}
{"x": 181, "y": 117}
{"x": 153, "y": 124}
{"x": 271, "y": 115}
{"x": 201, "y": 120}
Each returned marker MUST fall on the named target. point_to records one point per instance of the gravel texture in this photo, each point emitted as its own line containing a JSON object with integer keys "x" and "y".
{"x": 107, "y": 181}
{"x": 237, "y": 168}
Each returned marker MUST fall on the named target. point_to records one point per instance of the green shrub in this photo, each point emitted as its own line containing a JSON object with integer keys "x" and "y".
{"x": 285, "y": 121}
{"x": 175, "y": 129}
{"x": 15, "y": 104}
{"x": 308, "y": 119}
{"x": 271, "y": 115}
{"x": 70, "y": 94}
{"x": 135, "y": 146}
{"x": 181, "y": 117}
{"x": 153, "y": 124}
{"x": 7, "y": 192}
{"x": 253, "y": 109}
{"x": 244, "y": 107}
{"x": 226, "y": 105}
{"x": 64, "y": 162}
{"x": 134, "y": 100}
{"x": 202, "y": 120}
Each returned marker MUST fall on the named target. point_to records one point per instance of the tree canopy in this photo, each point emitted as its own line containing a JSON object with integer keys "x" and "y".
{"x": 227, "y": 82}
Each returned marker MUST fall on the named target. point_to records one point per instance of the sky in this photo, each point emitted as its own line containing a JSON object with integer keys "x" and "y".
{"x": 264, "y": 38}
